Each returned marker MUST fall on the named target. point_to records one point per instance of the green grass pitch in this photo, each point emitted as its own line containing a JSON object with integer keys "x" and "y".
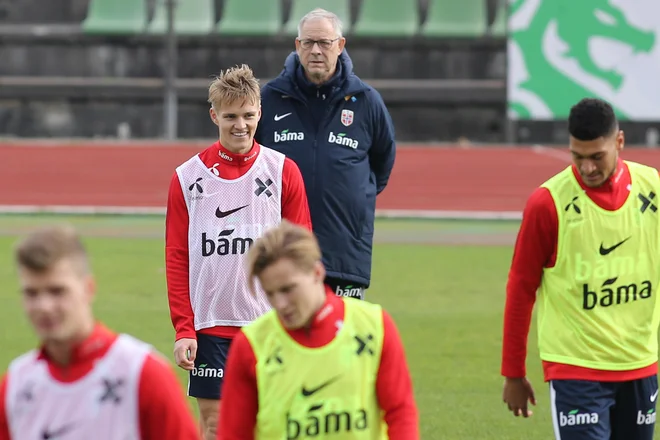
{"x": 445, "y": 295}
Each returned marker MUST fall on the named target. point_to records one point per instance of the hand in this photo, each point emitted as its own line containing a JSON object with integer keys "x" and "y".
{"x": 517, "y": 392}
{"x": 185, "y": 351}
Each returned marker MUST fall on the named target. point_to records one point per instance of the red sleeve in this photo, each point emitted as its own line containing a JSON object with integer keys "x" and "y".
{"x": 4, "y": 424}
{"x": 295, "y": 207}
{"x": 394, "y": 386}
{"x": 535, "y": 249}
{"x": 238, "y": 417}
{"x": 164, "y": 411}
{"x": 176, "y": 262}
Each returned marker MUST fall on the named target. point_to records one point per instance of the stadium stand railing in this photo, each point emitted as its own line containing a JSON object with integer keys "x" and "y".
{"x": 115, "y": 51}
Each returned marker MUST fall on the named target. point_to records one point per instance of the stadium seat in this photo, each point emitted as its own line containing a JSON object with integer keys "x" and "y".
{"x": 387, "y": 18}
{"x": 301, "y": 7}
{"x": 250, "y": 18}
{"x": 119, "y": 17}
{"x": 191, "y": 17}
{"x": 452, "y": 18}
{"x": 499, "y": 26}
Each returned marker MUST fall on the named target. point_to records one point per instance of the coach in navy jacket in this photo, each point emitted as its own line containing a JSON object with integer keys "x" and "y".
{"x": 342, "y": 138}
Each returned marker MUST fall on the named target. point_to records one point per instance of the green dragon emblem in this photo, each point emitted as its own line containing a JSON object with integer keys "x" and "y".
{"x": 574, "y": 22}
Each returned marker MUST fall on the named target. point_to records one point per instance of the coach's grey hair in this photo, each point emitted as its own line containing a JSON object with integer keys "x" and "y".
{"x": 319, "y": 13}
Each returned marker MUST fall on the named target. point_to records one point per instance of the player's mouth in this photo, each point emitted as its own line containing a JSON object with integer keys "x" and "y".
{"x": 240, "y": 134}
{"x": 593, "y": 178}
{"x": 288, "y": 317}
{"x": 45, "y": 325}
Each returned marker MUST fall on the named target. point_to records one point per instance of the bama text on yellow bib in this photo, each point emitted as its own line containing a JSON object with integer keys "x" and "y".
{"x": 597, "y": 307}
{"x": 326, "y": 392}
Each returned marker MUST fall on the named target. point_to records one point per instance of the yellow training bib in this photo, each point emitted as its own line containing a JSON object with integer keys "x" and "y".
{"x": 326, "y": 392}
{"x": 597, "y": 307}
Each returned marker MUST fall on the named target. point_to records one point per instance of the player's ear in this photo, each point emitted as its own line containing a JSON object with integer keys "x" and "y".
{"x": 90, "y": 287}
{"x": 319, "y": 272}
{"x": 214, "y": 116}
{"x": 620, "y": 140}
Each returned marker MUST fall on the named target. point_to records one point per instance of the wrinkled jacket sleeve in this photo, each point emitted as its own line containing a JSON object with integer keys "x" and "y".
{"x": 383, "y": 148}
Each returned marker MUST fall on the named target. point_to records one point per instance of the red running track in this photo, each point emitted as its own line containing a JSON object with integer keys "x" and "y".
{"x": 138, "y": 175}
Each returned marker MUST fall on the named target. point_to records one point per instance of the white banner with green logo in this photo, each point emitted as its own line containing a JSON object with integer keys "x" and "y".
{"x": 560, "y": 51}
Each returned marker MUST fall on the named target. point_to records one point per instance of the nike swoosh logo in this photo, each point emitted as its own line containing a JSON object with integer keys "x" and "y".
{"x": 654, "y": 396}
{"x": 307, "y": 393}
{"x": 223, "y": 214}
{"x": 47, "y": 435}
{"x": 605, "y": 251}
{"x": 278, "y": 117}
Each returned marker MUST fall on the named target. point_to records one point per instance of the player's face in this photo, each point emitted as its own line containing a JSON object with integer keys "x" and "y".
{"x": 295, "y": 294}
{"x": 319, "y": 59}
{"x": 58, "y": 301}
{"x": 237, "y": 122}
{"x": 596, "y": 160}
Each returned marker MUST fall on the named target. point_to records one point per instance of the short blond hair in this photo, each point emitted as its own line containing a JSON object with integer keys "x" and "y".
{"x": 234, "y": 84}
{"x": 293, "y": 242}
{"x": 44, "y": 248}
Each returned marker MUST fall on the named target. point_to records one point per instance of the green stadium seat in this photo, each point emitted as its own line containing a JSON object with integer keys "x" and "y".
{"x": 453, "y": 18}
{"x": 387, "y": 18}
{"x": 118, "y": 17}
{"x": 191, "y": 17}
{"x": 250, "y": 18}
{"x": 301, "y": 7}
{"x": 499, "y": 26}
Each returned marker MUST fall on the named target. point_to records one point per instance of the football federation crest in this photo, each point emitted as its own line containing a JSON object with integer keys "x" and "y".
{"x": 347, "y": 117}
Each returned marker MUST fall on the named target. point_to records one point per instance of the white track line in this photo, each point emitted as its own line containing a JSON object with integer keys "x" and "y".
{"x": 381, "y": 213}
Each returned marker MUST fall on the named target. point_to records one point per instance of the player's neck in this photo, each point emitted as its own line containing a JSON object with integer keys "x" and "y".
{"x": 320, "y": 300}
{"x": 61, "y": 352}
{"x": 242, "y": 150}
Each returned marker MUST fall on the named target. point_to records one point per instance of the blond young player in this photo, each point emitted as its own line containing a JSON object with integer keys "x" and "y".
{"x": 84, "y": 381}
{"x": 220, "y": 201}
{"x": 317, "y": 365}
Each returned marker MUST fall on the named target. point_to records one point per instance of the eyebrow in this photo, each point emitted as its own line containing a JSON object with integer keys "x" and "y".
{"x": 574, "y": 153}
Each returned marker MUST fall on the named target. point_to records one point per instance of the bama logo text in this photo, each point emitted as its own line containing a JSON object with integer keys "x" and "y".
{"x": 341, "y": 139}
{"x": 287, "y": 135}
{"x": 348, "y": 291}
{"x": 204, "y": 371}
{"x": 574, "y": 417}
{"x": 226, "y": 244}
{"x": 646, "y": 419}
{"x": 612, "y": 293}
{"x": 321, "y": 423}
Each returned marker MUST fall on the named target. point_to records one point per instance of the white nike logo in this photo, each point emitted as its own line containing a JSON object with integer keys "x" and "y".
{"x": 278, "y": 117}
{"x": 654, "y": 396}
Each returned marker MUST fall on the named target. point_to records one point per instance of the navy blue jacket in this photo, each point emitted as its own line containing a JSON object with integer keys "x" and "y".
{"x": 342, "y": 138}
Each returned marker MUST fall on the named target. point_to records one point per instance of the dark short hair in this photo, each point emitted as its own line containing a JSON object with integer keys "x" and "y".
{"x": 591, "y": 118}
{"x": 44, "y": 248}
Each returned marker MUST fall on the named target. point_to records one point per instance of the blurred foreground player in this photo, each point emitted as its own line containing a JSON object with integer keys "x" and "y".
{"x": 220, "y": 201}
{"x": 589, "y": 241}
{"x": 317, "y": 365}
{"x": 85, "y": 382}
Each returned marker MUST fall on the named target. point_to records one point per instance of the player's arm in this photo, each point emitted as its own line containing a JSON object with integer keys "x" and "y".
{"x": 295, "y": 206}
{"x": 394, "y": 386}
{"x": 164, "y": 413}
{"x": 176, "y": 262}
{"x": 4, "y": 423}
{"x": 383, "y": 145}
{"x": 238, "y": 413}
{"x": 534, "y": 250}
